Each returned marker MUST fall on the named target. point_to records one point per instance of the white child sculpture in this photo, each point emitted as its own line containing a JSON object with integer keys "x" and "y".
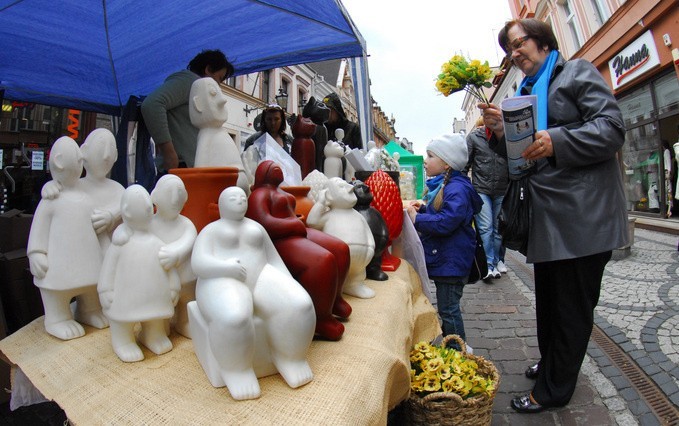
{"x": 250, "y": 318}
{"x": 63, "y": 251}
{"x": 178, "y": 233}
{"x": 135, "y": 285}
{"x": 216, "y": 148}
{"x": 333, "y": 213}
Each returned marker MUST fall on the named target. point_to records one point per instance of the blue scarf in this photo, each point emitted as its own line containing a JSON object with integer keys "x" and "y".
{"x": 435, "y": 184}
{"x": 540, "y": 84}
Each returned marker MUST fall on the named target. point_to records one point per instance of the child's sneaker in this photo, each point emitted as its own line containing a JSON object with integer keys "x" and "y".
{"x": 501, "y": 267}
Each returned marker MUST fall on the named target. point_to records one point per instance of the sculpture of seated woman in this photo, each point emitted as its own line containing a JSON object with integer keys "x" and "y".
{"x": 64, "y": 253}
{"x": 250, "y": 318}
{"x": 178, "y": 233}
{"x": 134, "y": 286}
{"x": 334, "y": 214}
{"x": 319, "y": 261}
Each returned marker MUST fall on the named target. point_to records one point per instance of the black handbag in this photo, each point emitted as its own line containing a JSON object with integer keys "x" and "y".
{"x": 515, "y": 214}
{"x": 480, "y": 264}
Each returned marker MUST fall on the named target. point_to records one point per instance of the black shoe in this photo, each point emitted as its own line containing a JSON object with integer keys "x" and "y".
{"x": 532, "y": 371}
{"x": 523, "y": 404}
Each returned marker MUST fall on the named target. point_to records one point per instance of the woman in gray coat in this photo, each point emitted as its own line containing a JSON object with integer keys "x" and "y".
{"x": 578, "y": 204}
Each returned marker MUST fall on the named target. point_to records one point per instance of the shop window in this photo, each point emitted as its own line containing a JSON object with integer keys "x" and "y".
{"x": 667, "y": 93}
{"x": 572, "y": 22}
{"x": 266, "y": 86}
{"x": 601, "y": 12}
{"x": 637, "y": 106}
{"x": 641, "y": 166}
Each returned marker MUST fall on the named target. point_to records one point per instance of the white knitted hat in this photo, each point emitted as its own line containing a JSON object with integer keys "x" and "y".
{"x": 452, "y": 149}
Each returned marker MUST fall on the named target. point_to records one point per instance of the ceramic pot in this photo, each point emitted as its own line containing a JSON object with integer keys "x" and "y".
{"x": 204, "y": 184}
{"x": 303, "y": 203}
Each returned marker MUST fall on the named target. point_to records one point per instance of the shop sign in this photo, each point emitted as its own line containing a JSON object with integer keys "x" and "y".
{"x": 37, "y": 160}
{"x": 73, "y": 126}
{"x": 634, "y": 60}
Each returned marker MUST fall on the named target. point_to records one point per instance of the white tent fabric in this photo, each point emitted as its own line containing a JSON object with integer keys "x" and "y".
{"x": 92, "y": 55}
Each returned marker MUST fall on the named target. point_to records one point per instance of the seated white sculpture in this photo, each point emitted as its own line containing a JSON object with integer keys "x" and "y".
{"x": 333, "y": 213}
{"x": 178, "y": 233}
{"x": 250, "y": 318}
{"x": 216, "y": 148}
{"x": 63, "y": 250}
{"x": 135, "y": 286}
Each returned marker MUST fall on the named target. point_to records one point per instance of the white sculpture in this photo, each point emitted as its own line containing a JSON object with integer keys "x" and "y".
{"x": 250, "y": 318}
{"x": 317, "y": 181}
{"x": 99, "y": 154}
{"x": 216, "y": 148}
{"x": 63, "y": 250}
{"x": 333, "y": 213}
{"x": 332, "y": 165}
{"x": 136, "y": 285}
{"x": 178, "y": 233}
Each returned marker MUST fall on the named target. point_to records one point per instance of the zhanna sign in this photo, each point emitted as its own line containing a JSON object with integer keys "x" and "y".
{"x": 633, "y": 61}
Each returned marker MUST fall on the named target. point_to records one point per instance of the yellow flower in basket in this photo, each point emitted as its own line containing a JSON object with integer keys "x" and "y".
{"x": 435, "y": 369}
{"x": 460, "y": 73}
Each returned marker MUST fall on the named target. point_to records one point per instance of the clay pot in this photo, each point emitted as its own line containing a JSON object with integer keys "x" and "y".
{"x": 204, "y": 185}
{"x": 302, "y": 202}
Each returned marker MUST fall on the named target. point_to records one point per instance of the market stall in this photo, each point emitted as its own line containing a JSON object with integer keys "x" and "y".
{"x": 356, "y": 380}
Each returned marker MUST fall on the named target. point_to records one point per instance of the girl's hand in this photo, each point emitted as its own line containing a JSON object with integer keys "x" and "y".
{"x": 412, "y": 213}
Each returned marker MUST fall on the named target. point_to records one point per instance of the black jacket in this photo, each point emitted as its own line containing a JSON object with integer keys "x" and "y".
{"x": 489, "y": 170}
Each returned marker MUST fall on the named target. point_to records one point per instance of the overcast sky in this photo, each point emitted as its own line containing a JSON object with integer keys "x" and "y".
{"x": 407, "y": 43}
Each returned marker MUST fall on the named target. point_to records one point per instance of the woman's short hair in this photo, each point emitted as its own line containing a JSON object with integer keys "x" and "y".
{"x": 214, "y": 59}
{"x": 536, "y": 29}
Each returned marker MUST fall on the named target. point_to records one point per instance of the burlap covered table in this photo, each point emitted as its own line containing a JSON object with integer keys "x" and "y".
{"x": 356, "y": 380}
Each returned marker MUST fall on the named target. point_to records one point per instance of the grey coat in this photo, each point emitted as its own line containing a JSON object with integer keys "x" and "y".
{"x": 489, "y": 169}
{"x": 578, "y": 203}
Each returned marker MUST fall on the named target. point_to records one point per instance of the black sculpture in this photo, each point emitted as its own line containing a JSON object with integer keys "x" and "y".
{"x": 378, "y": 227}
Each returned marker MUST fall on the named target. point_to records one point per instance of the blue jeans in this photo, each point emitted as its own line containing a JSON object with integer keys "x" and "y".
{"x": 448, "y": 301}
{"x": 487, "y": 221}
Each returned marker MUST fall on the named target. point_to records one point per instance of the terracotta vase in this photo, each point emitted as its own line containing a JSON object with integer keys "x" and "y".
{"x": 387, "y": 200}
{"x": 302, "y": 201}
{"x": 204, "y": 184}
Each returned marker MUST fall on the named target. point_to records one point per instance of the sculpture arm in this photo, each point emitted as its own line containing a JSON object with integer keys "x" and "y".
{"x": 38, "y": 239}
{"x": 51, "y": 190}
{"x": 206, "y": 264}
{"x": 105, "y": 286}
{"x": 316, "y": 217}
{"x": 179, "y": 251}
{"x": 102, "y": 220}
{"x": 259, "y": 209}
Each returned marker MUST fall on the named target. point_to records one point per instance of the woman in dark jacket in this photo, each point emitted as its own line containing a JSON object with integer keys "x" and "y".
{"x": 578, "y": 204}
{"x": 443, "y": 222}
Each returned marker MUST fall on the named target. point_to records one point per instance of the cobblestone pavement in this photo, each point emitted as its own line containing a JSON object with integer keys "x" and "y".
{"x": 638, "y": 312}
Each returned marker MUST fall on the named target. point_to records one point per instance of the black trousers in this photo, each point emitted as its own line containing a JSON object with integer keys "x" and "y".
{"x": 566, "y": 293}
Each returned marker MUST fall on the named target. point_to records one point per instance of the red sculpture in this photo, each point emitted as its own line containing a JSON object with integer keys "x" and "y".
{"x": 303, "y": 147}
{"x": 317, "y": 260}
{"x": 387, "y": 200}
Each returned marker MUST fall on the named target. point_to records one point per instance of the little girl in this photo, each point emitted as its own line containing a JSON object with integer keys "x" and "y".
{"x": 443, "y": 222}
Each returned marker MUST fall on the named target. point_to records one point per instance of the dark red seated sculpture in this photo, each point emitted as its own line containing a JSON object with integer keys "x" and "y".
{"x": 317, "y": 260}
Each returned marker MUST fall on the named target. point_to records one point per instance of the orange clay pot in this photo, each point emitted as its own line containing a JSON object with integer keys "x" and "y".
{"x": 204, "y": 185}
{"x": 303, "y": 202}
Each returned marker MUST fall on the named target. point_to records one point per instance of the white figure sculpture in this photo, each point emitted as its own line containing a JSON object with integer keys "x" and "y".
{"x": 333, "y": 213}
{"x": 250, "y": 318}
{"x": 99, "y": 154}
{"x": 332, "y": 165}
{"x": 63, "y": 250}
{"x": 135, "y": 285}
{"x": 178, "y": 233}
{"x": 216, "y": 148}
{"x": 317, "y": 181}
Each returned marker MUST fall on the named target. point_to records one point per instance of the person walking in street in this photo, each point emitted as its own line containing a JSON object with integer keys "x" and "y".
{"x": 578, "y": 205}
{"x": 443, "y": 222}
{"x": 166, "y": 110}
{"x": 489, "y": 178}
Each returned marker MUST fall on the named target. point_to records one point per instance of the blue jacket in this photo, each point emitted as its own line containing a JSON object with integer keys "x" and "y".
{"x": 447, "y": 236}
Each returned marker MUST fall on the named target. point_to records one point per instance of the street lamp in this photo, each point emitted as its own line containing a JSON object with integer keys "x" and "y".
{"x": 282, "y": 99}
{"x": 301, "y": 105}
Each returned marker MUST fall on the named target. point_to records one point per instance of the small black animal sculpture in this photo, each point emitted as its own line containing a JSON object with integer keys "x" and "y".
{"x": 319, "y": 113}
{"x": 378, "y": 227}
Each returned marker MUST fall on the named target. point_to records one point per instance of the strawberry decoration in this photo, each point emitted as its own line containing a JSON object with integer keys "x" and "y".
{"x": 387, "y": 200}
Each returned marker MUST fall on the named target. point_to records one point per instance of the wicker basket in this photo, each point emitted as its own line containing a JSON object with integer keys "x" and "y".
{"x": 447, "y": 408}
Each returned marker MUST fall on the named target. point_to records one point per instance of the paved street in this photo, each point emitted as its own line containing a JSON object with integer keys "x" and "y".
{"x": 631, "y": 373}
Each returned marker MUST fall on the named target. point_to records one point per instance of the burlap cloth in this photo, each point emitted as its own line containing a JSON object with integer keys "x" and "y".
{"x": 356, "y": 380}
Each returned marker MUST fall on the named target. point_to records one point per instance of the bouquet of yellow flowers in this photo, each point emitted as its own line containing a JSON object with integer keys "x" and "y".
{"x": 459, "y": 73}
{"x": 442, "y": 369}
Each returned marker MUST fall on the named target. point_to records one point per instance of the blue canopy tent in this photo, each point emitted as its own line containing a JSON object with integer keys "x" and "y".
{"x": 93, "y": 55}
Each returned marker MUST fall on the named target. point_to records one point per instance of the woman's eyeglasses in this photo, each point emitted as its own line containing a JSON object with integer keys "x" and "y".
{"x": 516, "y": 44}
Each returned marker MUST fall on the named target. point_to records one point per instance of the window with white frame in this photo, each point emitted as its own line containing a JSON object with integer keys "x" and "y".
{"x": 601, "y": 11}
{"x": 572, "y": 21}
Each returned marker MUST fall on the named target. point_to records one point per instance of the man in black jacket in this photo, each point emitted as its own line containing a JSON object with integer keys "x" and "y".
{"x": 338, "y": 120}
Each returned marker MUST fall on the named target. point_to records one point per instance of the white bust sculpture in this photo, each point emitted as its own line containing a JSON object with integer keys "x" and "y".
{"x": 333, "y": 213}
{"x": 332, "y": 165}
{"x": 178, "y": 233}
{"x": 216, "y": 148}
{"x": 250, "y": 318}
{"x": 63, "y": 250}
{"x": 135, "y": 285}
